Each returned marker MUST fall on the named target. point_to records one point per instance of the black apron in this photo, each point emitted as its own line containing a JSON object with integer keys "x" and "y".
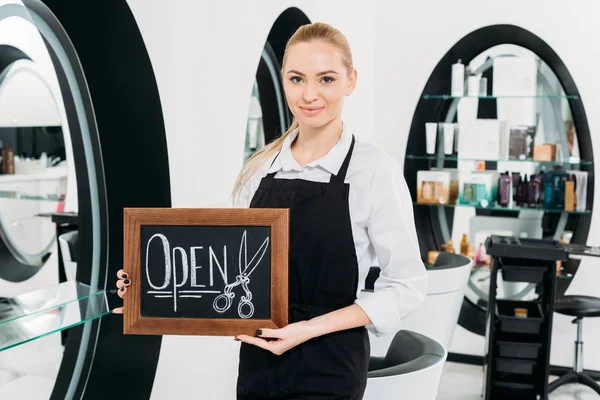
{"x": 323, "y": 277}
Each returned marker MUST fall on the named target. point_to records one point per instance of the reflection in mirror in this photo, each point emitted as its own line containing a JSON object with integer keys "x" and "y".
{"x": 255, "y": 133}
{"x": 35, "y": 169}
{"x": 268, "y": 114}
{"x": 32, "y": 162}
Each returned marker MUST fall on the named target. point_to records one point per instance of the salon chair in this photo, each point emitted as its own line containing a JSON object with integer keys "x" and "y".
{"x": 579, "y": 307}
{"x": 448, "y": 278}
{"x": 411, "y": 369}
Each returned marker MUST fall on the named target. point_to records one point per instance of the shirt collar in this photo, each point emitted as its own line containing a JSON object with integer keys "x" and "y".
{"x": 331, "y": 162}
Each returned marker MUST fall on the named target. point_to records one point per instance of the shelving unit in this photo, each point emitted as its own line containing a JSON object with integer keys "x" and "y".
{"x": 446, "y": 159}
{"x": 517, "y": 357}
{"x": 500, "y": 208}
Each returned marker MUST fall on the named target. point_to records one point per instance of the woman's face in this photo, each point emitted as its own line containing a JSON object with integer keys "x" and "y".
{"x": 316, "y": 82}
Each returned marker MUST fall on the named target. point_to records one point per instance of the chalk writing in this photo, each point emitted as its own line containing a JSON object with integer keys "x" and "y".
{"x": 223, "y": 301}
{"x": 179, "y": 273}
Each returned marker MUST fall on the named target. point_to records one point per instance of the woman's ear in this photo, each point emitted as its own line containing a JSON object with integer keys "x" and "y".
{"x": 351, "y": 82}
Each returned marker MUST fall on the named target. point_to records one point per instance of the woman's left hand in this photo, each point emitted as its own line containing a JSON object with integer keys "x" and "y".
{"x": 285, "y": 338}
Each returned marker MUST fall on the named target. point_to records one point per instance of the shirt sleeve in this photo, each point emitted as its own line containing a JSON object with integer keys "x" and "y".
{"x": 402, "y": 283}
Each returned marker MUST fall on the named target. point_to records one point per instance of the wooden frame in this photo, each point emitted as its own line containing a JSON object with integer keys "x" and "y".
{"x": 134, "y": 218}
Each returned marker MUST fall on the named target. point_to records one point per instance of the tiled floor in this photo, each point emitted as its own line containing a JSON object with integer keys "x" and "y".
{"x": 463, "y": 382}
{"x": 28, "y": 372}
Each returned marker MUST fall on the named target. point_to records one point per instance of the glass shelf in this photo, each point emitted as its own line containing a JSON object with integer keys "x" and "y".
{"x": 7, "y": 194}
{"x": 433, "y": 157}
{"x": 450, "y": 97}
{"x": 42, "y": 312}
{"x": 499, "y": 208}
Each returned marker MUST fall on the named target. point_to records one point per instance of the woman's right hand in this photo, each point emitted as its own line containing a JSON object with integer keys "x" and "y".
{"x": 122, "y": 284}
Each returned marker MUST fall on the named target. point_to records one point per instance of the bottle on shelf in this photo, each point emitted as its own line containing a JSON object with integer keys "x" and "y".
{"x": 559, "y": 266}
{"x": 574, "y": 179}
{"x": 470, "y": 253}
{"x": 483, "y": 86}
{"x": 464, "y": 245}
{"x": 481, "y": 255}
{"x": 432, "y": 256}
{"x": 519, "y": 188}
{"x": 458, "y": 79}
{"x": 450, "y": 247}
{"x": 504, "y": 185}
{"x": 533, "y": 191}
{"x": 8, "y": 161}
{"x": 524, "y": 190}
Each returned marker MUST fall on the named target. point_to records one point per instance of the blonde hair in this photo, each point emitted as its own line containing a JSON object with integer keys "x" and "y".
{"x": 304, "y": 34}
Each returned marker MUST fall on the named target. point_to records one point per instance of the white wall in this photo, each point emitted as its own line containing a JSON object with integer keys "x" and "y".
{"x": 411, "y": 41}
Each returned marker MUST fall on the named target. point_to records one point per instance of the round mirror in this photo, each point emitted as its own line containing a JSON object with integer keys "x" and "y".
{"x": 546, "y": 113}
{"x": 38, "y": 115}
{"x": 499, "y": 118}
{"x": 255, "y": 133}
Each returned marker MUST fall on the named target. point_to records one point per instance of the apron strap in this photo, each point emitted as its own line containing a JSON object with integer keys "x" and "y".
{"x": 269, "y": 177}
{"x": 341, "y": 175}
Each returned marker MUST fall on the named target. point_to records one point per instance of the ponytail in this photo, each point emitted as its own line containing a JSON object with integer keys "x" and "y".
{"x": 258, "y": 159}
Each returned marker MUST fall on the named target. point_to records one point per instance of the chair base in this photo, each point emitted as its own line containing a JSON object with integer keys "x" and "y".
{"x": 575, "y": 377}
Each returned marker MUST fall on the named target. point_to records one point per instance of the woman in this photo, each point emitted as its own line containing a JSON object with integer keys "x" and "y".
{"x": 349, "y": 207}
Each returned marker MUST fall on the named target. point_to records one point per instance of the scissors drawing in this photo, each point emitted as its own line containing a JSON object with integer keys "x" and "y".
{"x": 223, "y": 301}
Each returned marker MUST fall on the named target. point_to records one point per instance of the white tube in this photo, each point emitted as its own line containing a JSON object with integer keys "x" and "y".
{"x": 448, "y": 138}
{"x": 457, "y": 83}
{"x": 431, "y": 129}
{"x": 473, "y": 86}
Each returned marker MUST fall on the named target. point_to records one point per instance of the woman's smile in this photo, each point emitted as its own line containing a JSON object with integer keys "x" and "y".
{"x": 311, "y": 111}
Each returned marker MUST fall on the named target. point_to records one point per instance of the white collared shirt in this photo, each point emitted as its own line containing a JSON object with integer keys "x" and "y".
{"x": 382, "y": 223}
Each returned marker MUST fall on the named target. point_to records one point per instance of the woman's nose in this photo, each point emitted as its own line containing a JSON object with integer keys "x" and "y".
{"x": 310, "y": 93}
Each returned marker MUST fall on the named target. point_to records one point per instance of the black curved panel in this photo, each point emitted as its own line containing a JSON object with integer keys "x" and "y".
{"x": 133, "y": 153}
{"x": 268, "y": 98}
{"x": 283, "y": 28}
{"x": 470, "y": 46}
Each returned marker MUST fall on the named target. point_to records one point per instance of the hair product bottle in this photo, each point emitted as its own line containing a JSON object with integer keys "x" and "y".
{"x": 504, "y": 184}
{"x": 8, "y": 161}
{"x": 464, "y": 245}
{"x": 458, "y": 79}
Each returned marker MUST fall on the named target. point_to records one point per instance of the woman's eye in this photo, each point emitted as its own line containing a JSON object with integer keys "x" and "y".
{"x": 296, "y": 79}
{"x": 328, "y": 79}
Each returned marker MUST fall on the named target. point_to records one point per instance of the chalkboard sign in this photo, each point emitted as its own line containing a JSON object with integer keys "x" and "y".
{"x": 205, "y": 271}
